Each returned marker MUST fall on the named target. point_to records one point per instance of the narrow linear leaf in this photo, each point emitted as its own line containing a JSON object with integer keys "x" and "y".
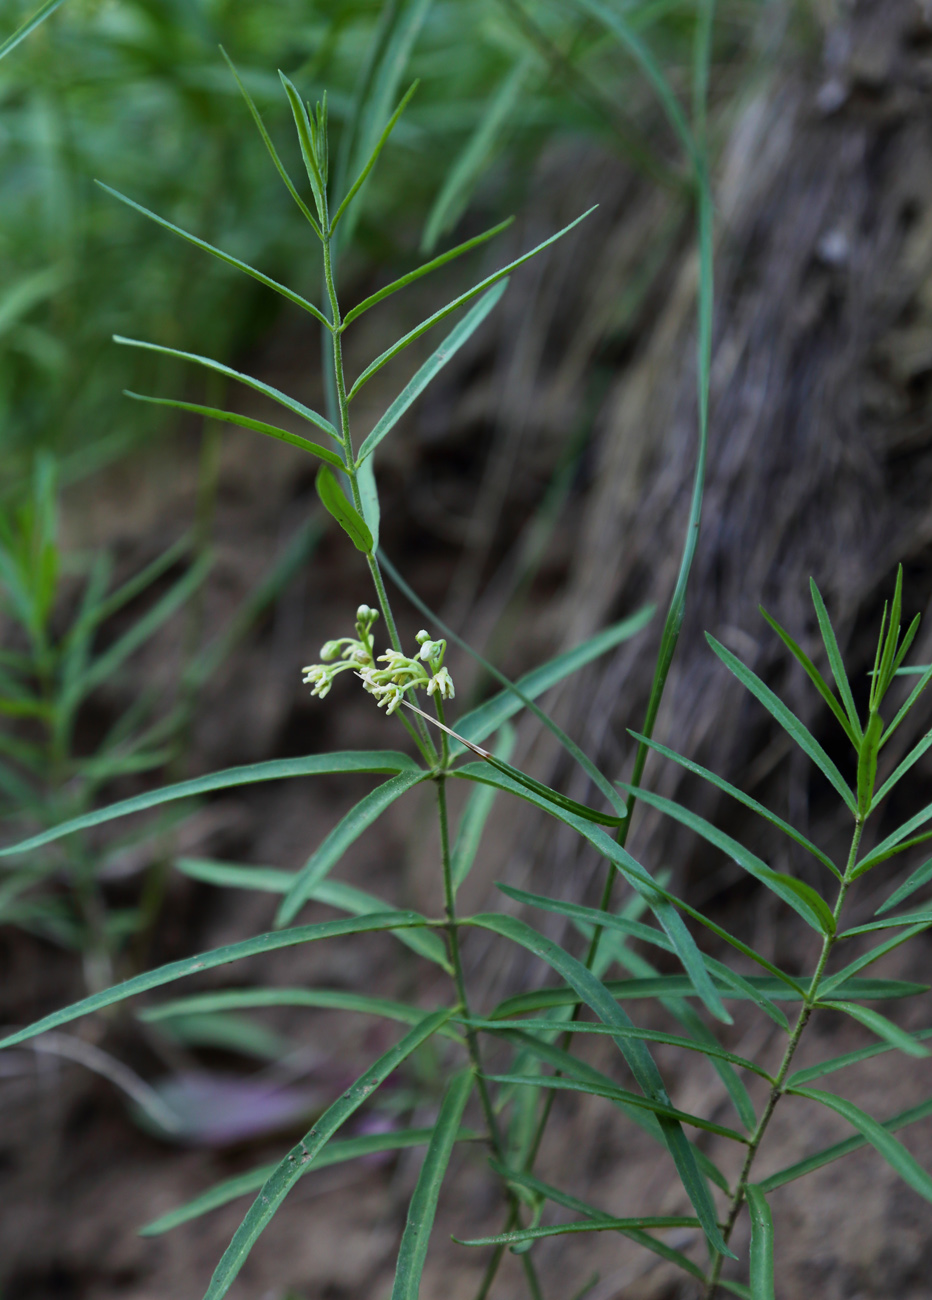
{"x": 796, "y": 893}
{"x": 849, "y": 1058}
{"x": 289, "y": 1170}
{"x": 246, "y": 422}
{"x": 290, "y": 403}
{"x": 276, "y": 769}
{"x": 879, "y": 1025}
{"x": 839, "y": 1149}
{"x": 841, "y": 979}
{"x": 443, "y": 312}
{"x": 890, "y": 923}
{"x": 588, "y": 1225}
{"x": 901, "y": 769}
{"x": 539, "y": 1188}
{"x": 345, "y": 833}
{"x": 834, "y": 657}
{"x": 762, "y": 1286}
{"x": 303, "y": 128}
{"x": 879, "y": 1137}
{"x": 818, "y": 681}
{"x": 334, "y": 893}
{"x": 336, "y": 1152}
{"x": 662, "y": 1111}
{"x": 595, "y": 994}
{"x": 431, "y": 367}
{"x": 908, "y": 703}
{"x": 216, "y": 957}
{"x": 369, "y": 496}
{"x": 346, "y": 515}
{"x": 235, "y": 262}
{"x": 743, "y": 798}
{"x": 921, "y": 876}
{"x": 427, "y": 267}
{"x": 373, "y": 157}
{"x": 894, "y": 842}
{"x": 423, "y": 1206}
{"x": 476, "y": 814}
{"x": 787, "y": 720}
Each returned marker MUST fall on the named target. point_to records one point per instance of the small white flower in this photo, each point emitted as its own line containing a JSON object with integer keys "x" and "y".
{"x": 442, "y": 683}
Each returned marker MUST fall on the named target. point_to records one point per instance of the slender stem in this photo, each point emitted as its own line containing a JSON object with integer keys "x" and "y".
{"x": 777, "y": 1090}
{"x": 472, "y": 1039}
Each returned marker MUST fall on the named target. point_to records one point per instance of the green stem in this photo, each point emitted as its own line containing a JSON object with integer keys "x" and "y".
{"x": 777, "y": 1090}
{"x": 472, "y": 1039}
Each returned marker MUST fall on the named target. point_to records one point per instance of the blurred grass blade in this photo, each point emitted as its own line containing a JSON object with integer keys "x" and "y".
{"x": 915, "y": 881}
{"x": 787, "y": 719}
{"x": 373, "y": 157}
{"x": 834, "y": 657}
{"x": 522, "y": 1179}
{"x": 838, "y": 980}
{"x": 441, "y": 260}
{"x": 431, "y": 367}
{"x": 347, "y": 516}
{"x": 456, "y": 190}
{"x": 336, "y": 1152}
{"x": 235, "y": 262}
{"x": 290, "y": 1169}
{"x": 28, "y": 26}
{"x": 815, "y": 677}
{"x": 252, "y": 999}
{"x": 273, "y": 153}
{"x": 246, "y": 422}
{"x": 761, "y": 1243}
{"x": 848, "y": 1058}
{"x": 423, "y": 1205}
{"x": 290, "y": 403}
{"x": 208, "y": 960}
{"x": 596, "y": 996}
{"x": 276, "y": 769}
{"x": 796, "y": 893}
{"x": 743, "y": 798}
{"x": 345, "y": 833}
{"x": 476, "y": 814}
{"x": 877, "y": 1135}
{"x": 839, "y": 1149}
{"x": 443, "y": 312}
{"x": 879, "y": 1025}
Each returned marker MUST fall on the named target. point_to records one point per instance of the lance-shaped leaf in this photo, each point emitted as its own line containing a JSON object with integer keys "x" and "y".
{"x": 423, "y": 1205}
{"x": 289, "y": 1170}
{"x": 588, "y": 1225}
{"x": 443, "y": 312}
{"x": 345, "y": 833}
{"x": 787, "y": 720}
{"x": 346, "y": 515}
{"x": 848, "y": 1058}
{"x": 246, "y": 422}
{"x": 177, "y": 970}
{"x": 475, "y": 815}
{"x": 899, "y": 840}
{"x": 877, "y": 1135}
{"x": 276, "y": 769}
{"x": 305, "y": 139}
{"x": 818, "y": 681}
{"x": 741, "y": 797}
{"x": 526, "y": 787}
{"x": 369, "y": 498}
{"x": 889, "y": 923}
{"x": 336, "y": 1152}
{"x": 235, "y": 262}
{"x": 290, "y": 403}
{"x": 879, "y": 1025}
{"x": 642, "y": 1066}
{"x": 381, "y": 294}
{"x": 796, "y": 893}
{"x": 762, "y": 1287}
{"x": 839, "y": 1149}
{"x": 431, "y": 367}
{"x": 921, "y": 876}
{"x": 908, "y": 704}
{"x": 902, "y": 768}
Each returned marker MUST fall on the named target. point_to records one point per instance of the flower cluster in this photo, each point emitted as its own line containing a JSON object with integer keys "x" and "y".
{"x": 388, "y": 684}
